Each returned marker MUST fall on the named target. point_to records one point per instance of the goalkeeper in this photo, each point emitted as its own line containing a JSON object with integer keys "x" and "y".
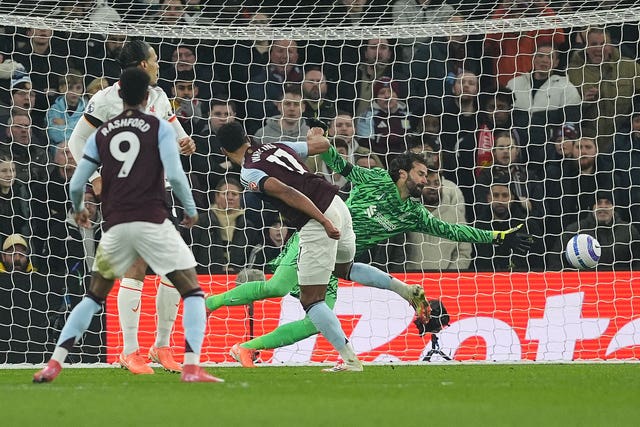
{"x": 381, "y": 206}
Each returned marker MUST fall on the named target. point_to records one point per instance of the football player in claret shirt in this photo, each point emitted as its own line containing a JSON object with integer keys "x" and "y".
{"x": 135, "y": 151}
{"x": 103, "y": 106}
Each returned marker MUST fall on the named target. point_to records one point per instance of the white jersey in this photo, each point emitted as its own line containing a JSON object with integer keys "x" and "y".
{"x": 106, "y": 104}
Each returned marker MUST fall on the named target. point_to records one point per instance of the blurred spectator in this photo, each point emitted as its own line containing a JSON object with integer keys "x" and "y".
{"x": 359, "y": 12}
{"x": 207, "y": 166}
{"x": 502, "y": 212}
{"x": 183, "y": 61}
{"x": 315, "y": 96}
{"x": 428, "y": 146}
{"x": 23, "y": 100}
{"x": 626, "y": 170}
{"x": 273, "y": 237}
{"x": 15, "y": 255}
{"x": 508, "y": 166}
{"x": 223, "y": 238}
{"x": 103, "y": 59}
{"x": 67, "y": 109}
{"x": 189, "y": 109}
{"x": 14, "y": 196}
{"x": 376, "y": 60}
{"x": 8, "y": 69}
{"x": 92, "y": 10}
{"x": 580, "y": 180}
{"x": 437, "y": 63}
{"x": 559, "y": 149}
{"x": 512, "y": 52}
{"x": 418, "y": 12}
{"x": 289, "y": 125}
{"x": 608, "y": 82}
{"x": 267, "y": 83}
{"x": 546, "y": 97}
{"x": 71, "y": 248}
{"x": 619, "y": 240}
{"x": 45, "y": 63}
{"x": 95, "y": 86}
{"x": 426, "y": 252}
{"x": 459, "y": 119}
{"x": 30, "y": 158}
{"x": 385, "y": 124}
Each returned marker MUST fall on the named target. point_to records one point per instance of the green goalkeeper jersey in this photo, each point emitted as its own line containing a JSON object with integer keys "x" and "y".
{"x": 378, "y": 212}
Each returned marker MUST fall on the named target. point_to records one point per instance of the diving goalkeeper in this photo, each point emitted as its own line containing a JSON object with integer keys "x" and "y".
{"x": 381, "y": 205}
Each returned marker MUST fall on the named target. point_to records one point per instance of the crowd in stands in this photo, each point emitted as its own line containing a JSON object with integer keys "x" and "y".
{"x": 540, "y": 127}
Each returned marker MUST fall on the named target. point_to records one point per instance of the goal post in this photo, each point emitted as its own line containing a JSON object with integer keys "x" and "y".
{"x": 503, "y": 99}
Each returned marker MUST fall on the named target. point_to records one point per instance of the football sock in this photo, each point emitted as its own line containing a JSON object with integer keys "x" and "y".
{"x": 347, "y": 354}
{"x": 194, "y": 322}
{"x": 129, "y": 299}
{"x": 327, "y": 323}
{"x": 289, "y": 333}
{"x": 281, "y": 283}
{"x": 167, "y": 304}
{"x": 371, "y": 276}
{"x": 76, "y": 325}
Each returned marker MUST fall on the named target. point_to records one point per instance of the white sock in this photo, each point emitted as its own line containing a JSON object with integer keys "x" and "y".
{"x": 347, "y": 353}
{"x": 59, "y": 354}
{"x": 129, "y": 299}
{"x": 400, "y": 288}
{"x": 167, "y": 304}
{"x": 194, "y": 320}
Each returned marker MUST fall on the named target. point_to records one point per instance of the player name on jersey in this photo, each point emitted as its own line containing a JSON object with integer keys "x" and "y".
{"x": 126, "y": 122}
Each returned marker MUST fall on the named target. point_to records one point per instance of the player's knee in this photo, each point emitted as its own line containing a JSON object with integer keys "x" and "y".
{"x": 342, "y": 270}
{"x": 185, "y": 281}
{"x": 137, "y": 270}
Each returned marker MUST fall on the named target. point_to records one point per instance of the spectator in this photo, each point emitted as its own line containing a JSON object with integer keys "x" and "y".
{"x": 377, "y": 60}
{"x": 23, "y": 100}
{"x": 207, "y": 166}
{"x": 267, "y": 83}
{"x": 502, "y": 212}
{"x": 426, "y": 252}
{"x": 608, "y": 82}
{"x": 189, "y": 109}
{"x": 580, "y": 181}
{"x": 512, "y": 52}
{"x": 358, "y": 12}
{"x": 14, "y": 196}
{"x": 103, "y": 60}
{"x": 8, "y": 69}
{"x": 626, "y": 170}
{"x": 508, "y": 165}
{"x": 289, "y": 124}
{"x": 15, "y": 255}
{"x": 30, "y": 158}
{"x": 223, "y": 238}
{"x": 418, "y": 12}
{"x": 182, "y": 62}
{"x": 274, "y": 238}
{"x": 67, "y": 109}
{"x": 71, "y": 248}
{"x": 314, "y": 94}
{"x": 561, "y": 148}
{"x": 95, "y": 86}
{"x": 385, "y": 124}
{"x": 619, "y": 239}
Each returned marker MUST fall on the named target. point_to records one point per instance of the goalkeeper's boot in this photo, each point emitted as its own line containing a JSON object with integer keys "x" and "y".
{"x": 353, "y": 365}
{"x": 419, "y": 302}
{"x": 135, "y": 364}
{"x": 246, "y": 356}
{"x": 48, "y": 373}
{"x": 164, "y": 356}
{"x": 196, "y": 374}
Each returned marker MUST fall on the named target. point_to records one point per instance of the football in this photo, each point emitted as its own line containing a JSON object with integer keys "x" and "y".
{"x": 583, "y": 251}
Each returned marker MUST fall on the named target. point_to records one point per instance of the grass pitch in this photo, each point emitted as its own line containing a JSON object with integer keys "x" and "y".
{"x": 405, "y": 395}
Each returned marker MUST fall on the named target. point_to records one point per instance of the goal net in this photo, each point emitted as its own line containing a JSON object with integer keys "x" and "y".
{"x": 524, "y": 111}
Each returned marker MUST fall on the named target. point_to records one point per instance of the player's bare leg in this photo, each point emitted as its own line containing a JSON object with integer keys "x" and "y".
{"x": 194, "y": 322}
{"x": 76, "y": 325}
{"x": 129, "y": 301}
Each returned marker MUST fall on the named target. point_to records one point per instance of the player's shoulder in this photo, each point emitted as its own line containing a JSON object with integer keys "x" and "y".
{"x": 157, "y": 93}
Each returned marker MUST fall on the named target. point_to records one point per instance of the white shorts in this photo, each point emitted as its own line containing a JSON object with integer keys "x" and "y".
{"x": 318, "y": 254}
{"x": 160, "y": 245}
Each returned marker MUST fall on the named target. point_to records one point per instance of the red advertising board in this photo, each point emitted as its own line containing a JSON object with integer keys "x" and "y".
{"x": 502, "y": 317}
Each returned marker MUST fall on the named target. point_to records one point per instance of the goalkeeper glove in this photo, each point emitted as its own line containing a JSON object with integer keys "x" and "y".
{"x": 518, "y": 241}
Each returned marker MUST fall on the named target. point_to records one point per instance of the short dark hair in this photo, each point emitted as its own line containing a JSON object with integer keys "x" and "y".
{"x": 186, "y": 76}
{"x": 223, "y": 100}
{"x": 404, "y": 162}
{"x": 133, "y": 53}
{"x": 134, "y": 85}
{"x": 231, "y": 136}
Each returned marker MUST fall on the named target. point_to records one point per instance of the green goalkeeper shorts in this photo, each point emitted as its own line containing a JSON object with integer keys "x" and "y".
{"x": 288, "y": 258}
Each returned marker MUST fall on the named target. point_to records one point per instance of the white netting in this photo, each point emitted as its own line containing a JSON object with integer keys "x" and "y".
{"x": 448, "y": 62}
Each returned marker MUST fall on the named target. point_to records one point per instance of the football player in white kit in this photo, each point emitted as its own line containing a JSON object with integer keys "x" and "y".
{"x": 103, "y": 106}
